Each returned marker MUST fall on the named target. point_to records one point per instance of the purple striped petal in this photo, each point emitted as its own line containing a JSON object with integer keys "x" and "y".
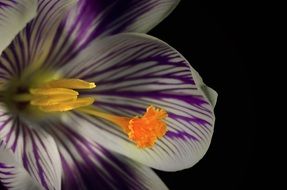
{"x": 33, "y": 44}
{"x": 14, "y": 15}
{"x": 12, "y": 175}
{"x": 133, "y": 71}
{"x": 49, "y": 42}
{"x": 95, "y": 18}
{"x": 92, "y": 19}
{"x": 36, "y": 151}
{"x": 87, "y": 165}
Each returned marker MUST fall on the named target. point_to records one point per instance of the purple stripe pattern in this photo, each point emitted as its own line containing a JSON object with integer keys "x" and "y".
{"x": 7, "y": 3}
{"x": 94, "y": 18}
{"x": 132, "y": 72}
{"x": 87, "y": 165}
{"x": 12, "y": 175}
{"x": 14, "y": 15}
{"x": 54, "y": 44}
{"x": 32, "y": 45}
{"x": 35, "y": 150}
{"x": 97, "y": 18}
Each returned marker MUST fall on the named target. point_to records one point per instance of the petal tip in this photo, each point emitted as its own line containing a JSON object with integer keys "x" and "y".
{"x": 210, "y": 94}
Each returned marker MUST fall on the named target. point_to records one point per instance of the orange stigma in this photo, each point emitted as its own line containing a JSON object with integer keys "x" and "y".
{"x": 145, "y": 130}
{"x": 142, "y": 130}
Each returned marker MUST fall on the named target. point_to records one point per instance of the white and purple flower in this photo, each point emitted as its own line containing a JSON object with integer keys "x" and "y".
{"x": 58, "y": 131}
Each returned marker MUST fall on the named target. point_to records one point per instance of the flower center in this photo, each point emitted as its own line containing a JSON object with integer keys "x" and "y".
{"x": 36, "y": 98}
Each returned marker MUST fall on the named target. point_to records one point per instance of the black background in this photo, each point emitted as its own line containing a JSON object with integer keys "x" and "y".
{"x": 215, "y": 37}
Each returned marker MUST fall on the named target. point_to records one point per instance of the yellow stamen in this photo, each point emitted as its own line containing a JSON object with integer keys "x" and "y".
{"x": 57, "y": 95}
{"x": 70, "y": 83}
{"x": 143, "y": 131}
{"x": 53, "y": 91}
{"x": 69, "y": 105}
{"x": 52, "y": 100}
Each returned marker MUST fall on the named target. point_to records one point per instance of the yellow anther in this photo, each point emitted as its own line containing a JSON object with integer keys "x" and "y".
{"x": 69, "y": 105}
{"x": 70, "y": 83}
{"x": 58, "y": 96}
{"x": 52, "y": 100}
{"x": 53, "y": 91}
{"x": 51, "y": 95}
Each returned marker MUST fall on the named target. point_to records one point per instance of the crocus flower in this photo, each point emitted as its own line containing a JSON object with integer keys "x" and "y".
{"x": 88, "y": 101}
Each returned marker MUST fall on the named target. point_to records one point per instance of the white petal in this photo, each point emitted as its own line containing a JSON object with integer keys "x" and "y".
{"x": 87, "y": 165}
{"x": 34, "y": 149}
{"x": 12, "y": 175}
{"x": 14, "y": 15}
{"x": 210, "y": 94}
{"x": 33, "y": 45}
{"x": 92, "y": 19}
{"x": 133, "y": 71}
